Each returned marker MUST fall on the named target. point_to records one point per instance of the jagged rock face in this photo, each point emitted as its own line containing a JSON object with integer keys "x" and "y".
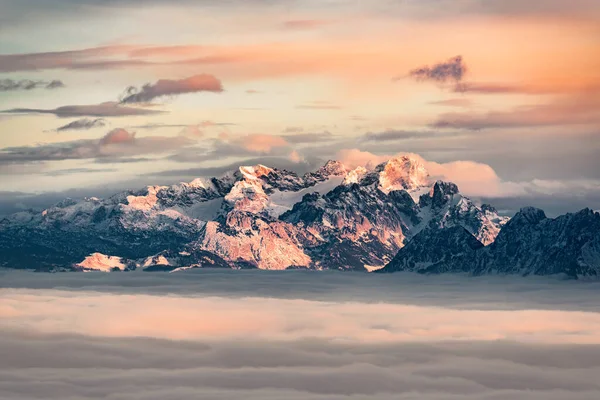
{"x": 435, "y": 251}
{"x": 330, "y": 169}
{"x": 253, "y": 217}
{"x": 358, "y": 225}
{"x": 531, "y": 243}
{"x": 449, "y": 208}
{"x": 247, "y": 239}
{"x": 528, "y": 244}
{"x": 170, "y": 260}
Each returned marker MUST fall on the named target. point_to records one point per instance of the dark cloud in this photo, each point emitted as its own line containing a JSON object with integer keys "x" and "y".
{"x": 55, "y": 84}
{"x": 83, "y": 124}
{"x": 452, "y": 70}
{"x": 115, "y": 144}
{"x": 169, "y": 87}
{"x": 7, "y": 85}
{"x": 108, "y": 109}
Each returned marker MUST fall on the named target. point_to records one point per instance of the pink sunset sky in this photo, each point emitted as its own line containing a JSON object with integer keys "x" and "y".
{"x": 501, "y": 96}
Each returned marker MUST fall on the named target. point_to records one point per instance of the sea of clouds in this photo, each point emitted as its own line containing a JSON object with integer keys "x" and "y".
{"x": 296, "y": 335}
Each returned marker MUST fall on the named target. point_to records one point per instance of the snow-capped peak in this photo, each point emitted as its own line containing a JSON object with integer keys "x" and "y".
{"x": 147, "y": 201}
{"x": 333, "y": 168}
{"x": 101, "y": 262}
{"x": 255, "y": 172}
{"x": 354, "y": 176}
{"x": 400, "y": 173}
{"x": 201, "y": 183}
{"x": 330, "y": 170}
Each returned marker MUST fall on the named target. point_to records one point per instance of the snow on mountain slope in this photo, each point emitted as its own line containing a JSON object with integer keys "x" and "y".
{"x": 255, "y": 216}
{"x": 282, "y": 201}
{"x": 102, "y": 262}
{"x": 444, "y": 206}
{"x": 354, "y": 176}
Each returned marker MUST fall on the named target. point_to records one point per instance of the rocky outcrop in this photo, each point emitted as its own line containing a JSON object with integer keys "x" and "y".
{"x": 254, "y": 217}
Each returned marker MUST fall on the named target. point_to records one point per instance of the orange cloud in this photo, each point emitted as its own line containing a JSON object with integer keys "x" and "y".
{"x": 258, "y": 143}
{"x": 473, "y": 178}
{"x": 117, "y": 136}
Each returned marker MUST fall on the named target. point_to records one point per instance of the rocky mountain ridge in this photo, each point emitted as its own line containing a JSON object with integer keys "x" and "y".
{"x": 261, "y": 217}
{"x": 529, "y": 244}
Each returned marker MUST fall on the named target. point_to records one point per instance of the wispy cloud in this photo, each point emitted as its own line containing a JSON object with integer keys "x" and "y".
{"x": 508, "y": 88}
{"x": 82, "y": 124}
{"x": 108, "y": 109}
{"x": 393, "y": 135}
{"x": 309, "y": 137}
{"x": 452, "y": 103}
{"x": 115, "y": 144}
{"x": 170, "y": 87}
{"x": 8, "y": 85}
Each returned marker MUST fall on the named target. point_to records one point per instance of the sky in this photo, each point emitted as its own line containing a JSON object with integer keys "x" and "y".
{"x": 500, "y": 96}
{"x": 267, "y": 335}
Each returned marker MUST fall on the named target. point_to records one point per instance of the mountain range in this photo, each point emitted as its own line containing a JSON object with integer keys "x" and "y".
{"x": 392, "y": 217}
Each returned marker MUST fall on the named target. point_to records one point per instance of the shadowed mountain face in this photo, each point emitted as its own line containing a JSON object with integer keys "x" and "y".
{"x": 332, "y": 218}
{"x": 530, "y": 243}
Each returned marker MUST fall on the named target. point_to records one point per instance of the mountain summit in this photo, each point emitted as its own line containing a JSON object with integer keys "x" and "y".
{"x": 261, "y": 217}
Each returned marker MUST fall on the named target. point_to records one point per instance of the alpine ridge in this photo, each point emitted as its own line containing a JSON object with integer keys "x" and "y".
{"x": 392, "y": 217}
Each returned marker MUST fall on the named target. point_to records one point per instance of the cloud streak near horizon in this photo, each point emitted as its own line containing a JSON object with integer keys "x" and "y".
{"x": 107, "y": 109}
{"x": 116, "y": 144}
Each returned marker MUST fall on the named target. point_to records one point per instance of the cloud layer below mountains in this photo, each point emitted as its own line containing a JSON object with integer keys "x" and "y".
{"x": 301, "y": 335}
